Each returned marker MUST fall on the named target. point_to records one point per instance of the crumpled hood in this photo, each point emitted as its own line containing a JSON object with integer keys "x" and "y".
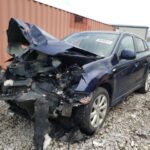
{"x": 37, "y": 39}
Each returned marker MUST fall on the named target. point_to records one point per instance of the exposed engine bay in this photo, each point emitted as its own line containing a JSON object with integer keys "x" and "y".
{"x": 35, "y": 74}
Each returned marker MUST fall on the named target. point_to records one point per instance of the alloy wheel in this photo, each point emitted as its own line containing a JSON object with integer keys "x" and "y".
{"x": 99, "y": 110}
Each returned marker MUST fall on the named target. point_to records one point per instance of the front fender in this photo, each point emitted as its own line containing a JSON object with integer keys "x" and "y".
{"x": 95, "y": 74}
{"x": 90, "y": 81}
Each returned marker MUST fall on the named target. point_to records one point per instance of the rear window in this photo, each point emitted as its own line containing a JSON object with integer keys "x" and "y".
{"x": 140, "y": 45}
{"x": 146, "y": 46}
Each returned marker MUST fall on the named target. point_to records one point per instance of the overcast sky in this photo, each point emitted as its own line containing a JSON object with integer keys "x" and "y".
{"x": 124, "y": 12}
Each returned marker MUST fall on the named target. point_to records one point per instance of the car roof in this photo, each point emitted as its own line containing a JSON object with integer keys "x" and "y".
{"x": 110, "y": 32}
{"x": 97, "y": 31}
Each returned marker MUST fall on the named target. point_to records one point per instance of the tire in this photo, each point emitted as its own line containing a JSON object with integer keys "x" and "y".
{"x": 98, "y": 106}
{"x": 145, "y": 88}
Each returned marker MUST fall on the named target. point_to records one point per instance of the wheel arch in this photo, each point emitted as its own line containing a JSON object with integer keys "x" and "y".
{"x": 109, "y": 89}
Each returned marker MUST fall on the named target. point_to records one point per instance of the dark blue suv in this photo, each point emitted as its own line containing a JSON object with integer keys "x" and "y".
{"x": 79, "y": 77}
{"x": 122, "y": 66}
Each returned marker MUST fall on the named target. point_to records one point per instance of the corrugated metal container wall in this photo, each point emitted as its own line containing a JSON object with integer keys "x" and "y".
{"x": 57, "y": 22}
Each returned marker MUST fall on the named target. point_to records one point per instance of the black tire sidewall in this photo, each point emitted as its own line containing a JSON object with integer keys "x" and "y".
{"x": 145, "y": 84}
{"x": 142, "y": 89}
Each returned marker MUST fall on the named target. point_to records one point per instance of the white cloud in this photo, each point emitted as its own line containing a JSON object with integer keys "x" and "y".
{"x": 128, "y": 12}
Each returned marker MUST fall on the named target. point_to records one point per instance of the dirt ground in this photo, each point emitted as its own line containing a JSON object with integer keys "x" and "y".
{"x": 127, "y": 128}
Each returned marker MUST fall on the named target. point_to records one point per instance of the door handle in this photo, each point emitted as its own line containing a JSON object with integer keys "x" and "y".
{"x": 114, "y": 70}
{"x": 137, "y": 64}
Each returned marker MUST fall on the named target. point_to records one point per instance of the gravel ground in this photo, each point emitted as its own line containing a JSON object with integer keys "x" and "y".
{"x": 127, "y": 128}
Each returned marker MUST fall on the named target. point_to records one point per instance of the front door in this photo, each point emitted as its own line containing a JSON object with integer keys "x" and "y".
{"x": 125, "y": 71}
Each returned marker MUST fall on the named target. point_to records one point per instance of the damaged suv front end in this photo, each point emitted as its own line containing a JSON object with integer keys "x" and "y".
{"x": 28, "y": 80}
{"x": 42, "y": 68}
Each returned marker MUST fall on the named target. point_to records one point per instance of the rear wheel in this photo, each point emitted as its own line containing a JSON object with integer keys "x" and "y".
{"x": 145, "y": 88}
{"x": 90, "y": 117}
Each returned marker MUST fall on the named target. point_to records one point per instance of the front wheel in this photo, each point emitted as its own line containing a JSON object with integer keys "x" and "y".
{"x": 90, "y": 117}
{"x": 145, "y": 88}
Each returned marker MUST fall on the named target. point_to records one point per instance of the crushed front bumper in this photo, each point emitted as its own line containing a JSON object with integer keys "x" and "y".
{"x": 25, "y": 103}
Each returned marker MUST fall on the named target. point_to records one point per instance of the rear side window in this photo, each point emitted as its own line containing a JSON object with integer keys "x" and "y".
{"x": 126, "y": 44}
{"x": 140, "y": 45}
{"x": 146, "y": 46}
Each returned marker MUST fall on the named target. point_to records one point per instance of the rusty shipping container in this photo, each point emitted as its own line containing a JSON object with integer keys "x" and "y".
{"x": 57, "y": 22}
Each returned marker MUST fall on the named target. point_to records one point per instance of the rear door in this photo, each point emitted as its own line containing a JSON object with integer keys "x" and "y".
{"x": 141, "y": 60}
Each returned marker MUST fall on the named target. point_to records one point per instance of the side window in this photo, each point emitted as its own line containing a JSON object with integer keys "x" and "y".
{"x": 140, "y": 45}
{"x": 126, "y": 44}
{"x": 146, "y": 46}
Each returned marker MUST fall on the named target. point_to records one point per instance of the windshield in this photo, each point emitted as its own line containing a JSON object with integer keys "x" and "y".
{"x": 98, "y": 43}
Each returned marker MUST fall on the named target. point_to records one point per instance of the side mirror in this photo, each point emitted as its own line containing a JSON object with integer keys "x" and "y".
{"x": 127, "y": 54}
